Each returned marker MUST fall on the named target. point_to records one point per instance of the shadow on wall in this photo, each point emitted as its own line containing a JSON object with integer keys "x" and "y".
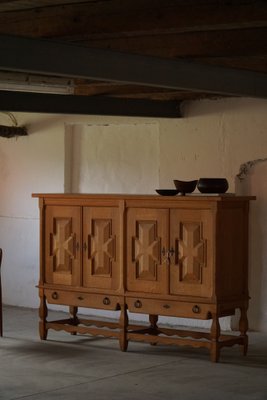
{"x": 251, "y": 181}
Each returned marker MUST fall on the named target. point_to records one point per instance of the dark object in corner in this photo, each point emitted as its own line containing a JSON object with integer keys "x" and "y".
{"x": 12, "y": 131}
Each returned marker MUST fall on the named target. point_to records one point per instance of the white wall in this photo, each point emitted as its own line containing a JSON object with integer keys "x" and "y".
{"x": 27, "y": 164}
{"x": 78, "y": 153}
{"x": 115, "y": 158}
{"x": 256, "y": 183}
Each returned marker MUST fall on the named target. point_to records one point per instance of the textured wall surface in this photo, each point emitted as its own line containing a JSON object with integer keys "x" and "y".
{"x": 115, "y": 158}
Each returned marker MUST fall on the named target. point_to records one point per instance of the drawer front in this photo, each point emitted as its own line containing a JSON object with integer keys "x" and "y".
{"x": 81, "y": 299}
{"x": 169, "y": 308}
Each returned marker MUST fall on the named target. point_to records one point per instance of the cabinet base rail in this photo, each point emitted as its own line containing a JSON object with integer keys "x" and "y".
{"x": 193, "y": 338}
{"x": 83, "y": 326}
{"x": 213, "y": 340}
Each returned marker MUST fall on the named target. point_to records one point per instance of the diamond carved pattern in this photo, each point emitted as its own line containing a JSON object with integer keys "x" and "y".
{"x": 103, "y": 247}
{"x": 62, "y": 244}
{"x": 146, "y": 250}
{"x": 192, "y": 252}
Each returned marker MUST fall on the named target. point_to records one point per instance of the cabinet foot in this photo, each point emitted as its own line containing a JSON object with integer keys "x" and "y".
{"x": 245, "y": 346}
{"x": 73, "y": 310}
{"x": 153, "y": 319}
{"x": 215, "y": 334}
{"x": 214, "y": 353}
{"x": 42, "y": 315}
{"x": 42, "y": 331}
{"x": 123, "y": 324}
{"x": 243, "y": 327}
{"x": 123, "y": 345}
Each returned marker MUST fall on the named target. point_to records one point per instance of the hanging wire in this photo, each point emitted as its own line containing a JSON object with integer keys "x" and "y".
{"x": 12, "y": 117}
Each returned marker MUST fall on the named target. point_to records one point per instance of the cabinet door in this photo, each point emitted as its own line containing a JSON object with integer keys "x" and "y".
{"x": 62, "y": 253}
{"x": 191, "y": 265}
{"x": 101, "y": 255}
{"x": 147, "y": 236}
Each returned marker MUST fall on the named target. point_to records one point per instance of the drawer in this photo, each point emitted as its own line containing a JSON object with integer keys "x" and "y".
{"x": 81, "y": 299}
{"x": 169, "y": 308}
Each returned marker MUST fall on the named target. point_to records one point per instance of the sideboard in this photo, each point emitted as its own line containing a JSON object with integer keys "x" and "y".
{"x": 181, "y": 256}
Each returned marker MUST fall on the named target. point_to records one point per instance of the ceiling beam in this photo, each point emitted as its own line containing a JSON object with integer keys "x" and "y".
{"x": 83, "y": 105}
{"x": 257, "y": 63}
{"x": 98, "y": 20}
{"x": 15, "y": 5}
{"x": 60, "y": 59}
{"x": 230, "y": 43}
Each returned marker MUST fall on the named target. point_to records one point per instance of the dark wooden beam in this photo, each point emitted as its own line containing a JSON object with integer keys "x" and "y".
{"x": 228, "y": 43}
{"x": 133, "y": 91}
{"x": 18, "y": 5}
{"x": 125, "y": 19}
{"x": 98, "y": 105}
{"x": 60, "y": 59}
{"x": 257, "y": 63}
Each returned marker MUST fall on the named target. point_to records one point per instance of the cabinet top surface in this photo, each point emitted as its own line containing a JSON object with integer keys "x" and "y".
{"x": 194, "y": 197}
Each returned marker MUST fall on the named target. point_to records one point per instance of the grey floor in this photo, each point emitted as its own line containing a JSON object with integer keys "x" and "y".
{"x": 79, "y": 367}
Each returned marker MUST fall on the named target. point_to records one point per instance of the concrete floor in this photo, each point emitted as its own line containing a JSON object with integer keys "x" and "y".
{"x": 80, "y": 367}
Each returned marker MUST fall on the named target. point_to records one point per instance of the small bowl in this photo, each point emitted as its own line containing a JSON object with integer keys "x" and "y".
{"x": 185, "y": 186}
{"x": 212, "y": 185}
{"x": 167, "y": 192}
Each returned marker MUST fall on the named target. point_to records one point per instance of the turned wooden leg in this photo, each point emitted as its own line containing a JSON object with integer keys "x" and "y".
{"x": 243, "y": 327}
{"x": 73, "y": 315}
{"x": 42, "y": 315}
{"x": 153, "y": 319}
{"x": 215, "y": 334}
{"x": 123, "y": 324}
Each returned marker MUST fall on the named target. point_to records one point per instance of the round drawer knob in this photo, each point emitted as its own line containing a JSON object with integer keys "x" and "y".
{"x": 106, "y": 301}
{"x": 55, "y": 295}
{"x": 166, "y": 306}
{"x": 137, "y": 304}
{"x": 196, "y": 309}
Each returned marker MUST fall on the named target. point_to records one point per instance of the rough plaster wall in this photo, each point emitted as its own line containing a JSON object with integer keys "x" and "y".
{"x": 27, "y": 164}
{"x": 213, "y": 139}
{"x": 115, "y": 158}
{"x": 255, "y": 182}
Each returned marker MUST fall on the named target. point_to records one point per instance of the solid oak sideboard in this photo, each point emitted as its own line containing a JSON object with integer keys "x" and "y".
{"x": 181, "y": 256}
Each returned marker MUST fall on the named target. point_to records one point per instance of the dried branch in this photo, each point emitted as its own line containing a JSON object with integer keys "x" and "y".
{"x": 245, "y": 168}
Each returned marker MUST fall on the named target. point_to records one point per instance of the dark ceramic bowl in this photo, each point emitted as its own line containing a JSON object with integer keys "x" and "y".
{"x": 167, "y": 192}
{"x": 185, "y": 186}
{"x": 212, "y": 185}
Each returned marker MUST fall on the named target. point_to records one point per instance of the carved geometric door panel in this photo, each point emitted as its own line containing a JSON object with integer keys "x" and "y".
{"x": 63, "y": 231}
{"x": 190, "y": 269}
{"x": 101, "y": 247}
{"x": 147, "y": 237}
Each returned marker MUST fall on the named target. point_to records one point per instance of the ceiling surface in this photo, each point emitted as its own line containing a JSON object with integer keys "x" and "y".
{"x": 151, "y": 55}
